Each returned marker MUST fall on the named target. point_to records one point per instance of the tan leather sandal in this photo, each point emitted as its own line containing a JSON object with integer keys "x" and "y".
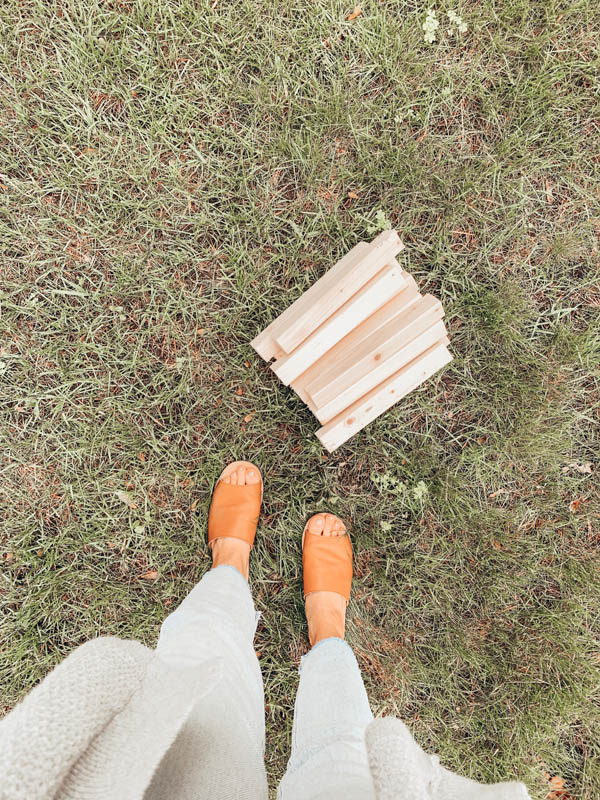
{"x": 234, "y": 510}
{"x": 327, "y": 563}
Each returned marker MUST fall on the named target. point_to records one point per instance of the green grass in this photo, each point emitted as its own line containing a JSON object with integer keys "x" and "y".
{"x": 172, "y": 176}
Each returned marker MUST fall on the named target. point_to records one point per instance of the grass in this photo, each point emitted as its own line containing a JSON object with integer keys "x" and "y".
{"x": 172, "y": 175}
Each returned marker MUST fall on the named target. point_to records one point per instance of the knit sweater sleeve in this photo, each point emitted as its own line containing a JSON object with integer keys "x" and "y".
{"x": 42, "y": 738}
{"x": 401, "y": 770}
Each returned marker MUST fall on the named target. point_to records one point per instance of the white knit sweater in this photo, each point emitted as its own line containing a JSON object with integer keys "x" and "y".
{"x": 100, "y": 724}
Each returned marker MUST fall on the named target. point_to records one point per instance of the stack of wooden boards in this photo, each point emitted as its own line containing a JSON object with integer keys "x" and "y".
{"x": 361, "y": 338}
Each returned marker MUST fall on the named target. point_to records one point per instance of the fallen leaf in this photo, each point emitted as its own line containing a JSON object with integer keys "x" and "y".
{"x": 151, "y": 575}
{"x": 585, "y": 469}
{"x": 574, "y": 505}
{"x": 248, "y": 417}
{"x": 126, "y": 498}
{"x": 142, "y": 457}
{"x": 353, "y": 195}
{"x": 193, "y": 506}
{"x": 247, "y": 364}
{"x": 354, "y": 14}
{"x": 558, "y": 790}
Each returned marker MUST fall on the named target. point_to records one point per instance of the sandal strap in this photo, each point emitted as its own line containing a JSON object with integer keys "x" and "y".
{"x": 327, "y": 564}
{"x": 234, "y": 512}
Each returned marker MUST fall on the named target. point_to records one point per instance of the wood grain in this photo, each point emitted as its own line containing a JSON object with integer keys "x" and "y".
{"x": 383, "y": 397}
{"x": 386, "y": 284}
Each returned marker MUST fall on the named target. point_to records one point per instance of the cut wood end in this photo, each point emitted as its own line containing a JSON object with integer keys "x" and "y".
{"x": 265, "y": 346}
{"x": 389, "y": 237}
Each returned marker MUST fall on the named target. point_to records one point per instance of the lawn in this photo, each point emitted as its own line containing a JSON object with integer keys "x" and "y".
{"x": 173, "y": 173}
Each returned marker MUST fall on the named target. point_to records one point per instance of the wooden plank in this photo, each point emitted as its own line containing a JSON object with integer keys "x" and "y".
{"x": 374, "y": 351}
{"x": 383, "y": 397}
{"x": 384, "y": 369}
{"x": 376, "y": 293}
{"x": 383, "y": 248}
{"x": 264, "y": 343}
{"x": 394, "y": 307}
{"x": 266, "y": 347}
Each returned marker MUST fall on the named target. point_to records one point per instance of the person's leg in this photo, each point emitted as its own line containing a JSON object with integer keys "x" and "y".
{"x": 329, "y": 756}
{"x": 223, "y": 740}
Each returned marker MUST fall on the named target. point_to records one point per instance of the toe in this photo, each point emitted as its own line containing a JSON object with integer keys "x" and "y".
{"x": 329, "y": 520}
{"x": 333, "y": 526}
{"x": 243, "y": 474}
{"x": 252, "y": 475}
{"x": 316, "y": 524}
{"x": 338, "y": 528}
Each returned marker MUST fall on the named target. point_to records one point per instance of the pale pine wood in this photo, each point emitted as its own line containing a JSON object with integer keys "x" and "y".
{"x": 383, "y": 397}
{"x": 264, "y": 343}
{"x": 380, "y": 319}
{"x": 386, "y": 284}
{"x": 266, "y": 347}
{"x": 356, "y": 341}
{"x": 380, "y": 372}
{"x": 383, "y": 248}
{"x": 374, "y": 350}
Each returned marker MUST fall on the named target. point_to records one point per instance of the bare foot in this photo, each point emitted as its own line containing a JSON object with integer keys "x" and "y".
{"x": 227, "y": 550}
{"x": 325, "y": 611}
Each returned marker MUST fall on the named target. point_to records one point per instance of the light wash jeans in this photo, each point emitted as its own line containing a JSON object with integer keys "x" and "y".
{"x": 329, "y": 757}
